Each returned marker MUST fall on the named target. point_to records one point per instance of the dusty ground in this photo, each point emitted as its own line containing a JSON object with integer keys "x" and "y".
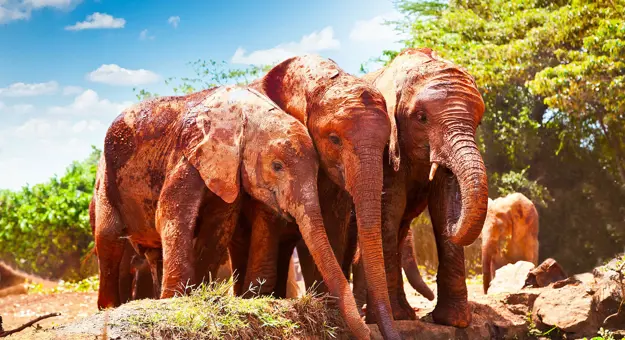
{"x": 19, "y": 309}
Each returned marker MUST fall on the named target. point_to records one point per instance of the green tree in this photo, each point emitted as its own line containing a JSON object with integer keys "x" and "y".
{"x": 552, "y": 77}
{"x": 209, "y": 74}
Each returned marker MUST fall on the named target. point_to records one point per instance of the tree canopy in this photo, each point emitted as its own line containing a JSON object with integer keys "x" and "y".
{"x": 553, "y": 79}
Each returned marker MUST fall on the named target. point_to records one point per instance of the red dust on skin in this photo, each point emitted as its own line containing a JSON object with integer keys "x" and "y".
{"x": 437, "y": 108}
{"x": 206, "y": 142}
{"x": 350, "y": 128}
{"x": 510, "y": 234}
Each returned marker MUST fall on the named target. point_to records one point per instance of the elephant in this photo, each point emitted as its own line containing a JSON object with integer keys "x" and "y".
{"x": 350, "y": 128}
{"x": 437, "y": 108}
{"x": 172, "y": 169}
{"x": 510, "y": 234}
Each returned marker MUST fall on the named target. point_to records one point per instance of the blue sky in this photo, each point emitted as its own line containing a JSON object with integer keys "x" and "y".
{"x": 67, "y": 67}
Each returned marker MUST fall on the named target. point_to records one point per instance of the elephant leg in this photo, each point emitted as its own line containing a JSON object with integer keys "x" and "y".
{"x": 264, "y": 250}
{"x": 289, "y": 238}
{"x": 216, "y": 227}
{"x": 239, "y": 250}
{"x": 352, "y": 245}
{"x": 154, "y": 259}
{"x": 452, "y": 307}
{"x": 143, "y": 283}
{"x": 292, "y": 288}
{"x": 109, "y": 246}
{"x": 177, "y": 215}
{"x": 126, "y": 275}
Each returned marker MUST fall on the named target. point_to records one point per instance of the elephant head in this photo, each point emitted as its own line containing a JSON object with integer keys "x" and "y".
{"x": 350, "y": 128}
{"x": 438, "y": 103}
{"x": 244, "y": 135}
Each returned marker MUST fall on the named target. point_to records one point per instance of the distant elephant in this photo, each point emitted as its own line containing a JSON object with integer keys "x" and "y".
{"x": 437, "y": 107}
{"x": 172, "y": 169}
{"x": 510, "y": 234}
{"x": 347, "y": 120}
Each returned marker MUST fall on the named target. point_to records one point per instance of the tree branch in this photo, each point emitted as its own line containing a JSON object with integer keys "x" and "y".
{"x": 24, "y": 326}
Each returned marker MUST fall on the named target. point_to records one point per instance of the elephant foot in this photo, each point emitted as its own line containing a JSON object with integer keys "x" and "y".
{"x": 402, "y": 309}
{"x": 456, "y": 313}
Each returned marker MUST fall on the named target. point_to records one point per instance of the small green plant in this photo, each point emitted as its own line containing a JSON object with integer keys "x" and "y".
{"x": 90, "y": 284}
{"x": 534, "y": 331}
{"x": 604, "y": 334}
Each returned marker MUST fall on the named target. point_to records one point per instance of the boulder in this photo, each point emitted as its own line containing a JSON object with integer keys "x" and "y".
{"x": 545, "y": 274}
{"x": 510, "y": 278}
{"x": 579, "y": 306}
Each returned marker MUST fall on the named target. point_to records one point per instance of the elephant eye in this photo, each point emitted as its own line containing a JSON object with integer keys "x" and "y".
{"x": 421, "y": 117}
{"x": 335, "y": 139}
{"x": 277, "y": 166}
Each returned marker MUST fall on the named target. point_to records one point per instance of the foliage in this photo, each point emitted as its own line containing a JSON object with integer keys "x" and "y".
{"x": 45, "y": 228}
{"x": 209, "y": 74}
{"x": 551, "y": 75}
{"x": 211, "y": 312}
{"x": 90, "y": 284}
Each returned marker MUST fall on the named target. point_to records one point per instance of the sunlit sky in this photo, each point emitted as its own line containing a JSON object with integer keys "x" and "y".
{"x": 68, "y": 67}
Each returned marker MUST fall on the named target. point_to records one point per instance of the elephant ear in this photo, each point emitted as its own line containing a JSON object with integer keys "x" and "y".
{"x": 386, "y": 82}
{"x": 214, "y": 142}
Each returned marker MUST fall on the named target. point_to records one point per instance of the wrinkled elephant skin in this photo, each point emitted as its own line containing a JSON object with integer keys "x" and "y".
{"x": 197, "y": 152}
{"x": 347, "y": 120}
{"x": 437, "y": 108}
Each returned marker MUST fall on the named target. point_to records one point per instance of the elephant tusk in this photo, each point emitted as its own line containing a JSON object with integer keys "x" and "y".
{"x": 433, "y": 170}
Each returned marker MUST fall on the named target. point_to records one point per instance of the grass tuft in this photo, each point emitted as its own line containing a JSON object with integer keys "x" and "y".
{"x": 211, "y": 312}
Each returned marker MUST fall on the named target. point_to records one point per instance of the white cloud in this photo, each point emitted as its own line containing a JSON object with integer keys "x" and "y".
{"x": 174, "y": 21}
{"x": 11, "y": 10}
{"x": 65, "y": 134}
{"x": 98, "y": 21}
{"x": 70, "y": 90}
{"x": 89, "y": 103}
{"x": 112, "y": 74}
{"x": 18, "y": 109}
{"x": 314, "y": 42}
{"x": 144, "y": 35}
{"x": 29, "y": 90}
{"x": 50, "y": 3}
{"x": 375, "y": 30}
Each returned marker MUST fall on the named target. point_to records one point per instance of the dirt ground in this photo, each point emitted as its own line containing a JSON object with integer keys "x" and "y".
{"x": 19, "y": 309}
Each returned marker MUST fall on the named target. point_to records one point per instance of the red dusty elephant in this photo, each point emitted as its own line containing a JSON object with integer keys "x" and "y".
{"x": 172, "y": 169}
{"x": 510, "y": 234}
{"x": 437, "y": 108}
{"x": 347, "y": 120}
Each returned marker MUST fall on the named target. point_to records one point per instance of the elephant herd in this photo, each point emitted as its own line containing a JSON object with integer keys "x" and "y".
{"x": 307, "y": 157}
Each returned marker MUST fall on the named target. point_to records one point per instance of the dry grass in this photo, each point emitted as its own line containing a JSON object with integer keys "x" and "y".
{"x": 211, "y": 312}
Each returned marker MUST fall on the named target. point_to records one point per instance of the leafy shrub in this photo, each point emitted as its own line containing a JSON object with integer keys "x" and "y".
{"x": 45, "y": 228}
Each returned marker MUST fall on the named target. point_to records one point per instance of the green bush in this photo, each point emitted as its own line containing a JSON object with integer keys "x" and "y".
{"x": 44, "y": 228}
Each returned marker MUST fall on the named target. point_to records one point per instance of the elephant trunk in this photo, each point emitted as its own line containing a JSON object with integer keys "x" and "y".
{"x": 310, "y": 221}
{"x": 463, "y": 225}
{"x": 364, "y": 183}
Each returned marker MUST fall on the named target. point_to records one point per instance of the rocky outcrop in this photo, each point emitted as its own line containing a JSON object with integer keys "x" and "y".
{"x": 579, "y": 306}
